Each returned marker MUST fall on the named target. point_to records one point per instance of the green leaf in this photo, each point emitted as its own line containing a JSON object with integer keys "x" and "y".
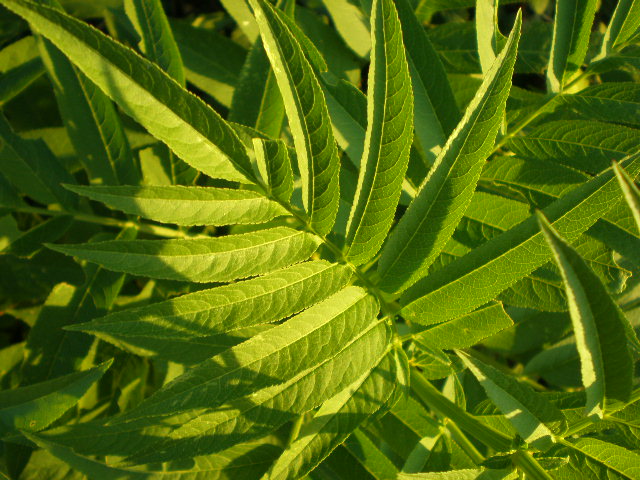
{"x": 483, "y": 273}
{"x": 364, "y": 451}
{"x": 308, "y": 118}
{"x": 186, "y": 205}
{"x": 466, "y": 331}
{"x": 223, "y": 309}
{"x": 90, "y": 119}
{"x": 274, "y": 166}
{"x": 352, "y": 25}
{"x": 535, "y": 419}
{"x": 17, "y": 79}
{"x": 156, "y": 38}
{"x": 608, "y": 102}
{"x": 388, "y": 138}
{"x": 30, "y": 242}
{"x": 217, "y": 259}
{"x": 436, "y": 112}
{"x": 216, "y": 69}
{"x": 599, "y": 325}
{"x": 336, "y": 419}
{"x": 256, "y": 100}
{"x": 606, "y": 459}
{"x": 440, "y": 203}
{"x": 540, "y": 181}
{"x": 585, "y": 145}
{"x": 623, "y": 25}
{"x": 487, "y": 32}
{"x": 631, "y": 192}
{"x": 242, "y": 15}
{"x": 571, "y": 31}
{"x": 52, "y": 351}
{"x": 243, "y": 389}
{"x": 241, "y": 461}
{"x": 32, "y": 168}
{"x": 36, "y": 406}
{"x": 467, "y": 474}
{"x": 193, "y": 130}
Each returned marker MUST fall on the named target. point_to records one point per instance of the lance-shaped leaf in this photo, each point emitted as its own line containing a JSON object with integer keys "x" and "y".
{"x": 336, "y": 419}
{"x": 466, "y": 331}
{"x": 466, "y": 474}
{"x": 260, "y": 361}
{"x": 608, "y": 102}
{"x": 604, "y": 459}
{"x": 535, "y": 419}
{"x": 216, "y": 70}
{"x": 217, "y": 259}
{"x": 240, "y": 394}
{"x": 436, "y": 111}
{"x": 308, "y": 118}
{"x": 541, "y": 181}
{"x": 156, "y": 38}
{"x": 89, "y": 117}
{"x": 193, "y": 130}
{"x": 52, "y": 351}
{"x": 91, "y": 120}
{"x": 242, "y": 461}
{"x": 187, "y": 205}
{"x": 582, "y": 144}
{"x": 442, "y": 199}
{"x": 223, "y": 309}
{"x": 388, "y": 138}
{"x": 32, "y": 168}
{"x": 599, "y": 325}
{"x": 624, "y": 23}
{"x": 483, "y": 273}
{"x": 274, "y": 166}
{"x": 256, "y": 99}
{"x": 352, "y": 25}
{"x": 571, "y": 29}
{"x": 630, "y": 190}
{"x": 487, "y": 32}
{"x": 36, "y": 406}
{"x": 18, "y": 78}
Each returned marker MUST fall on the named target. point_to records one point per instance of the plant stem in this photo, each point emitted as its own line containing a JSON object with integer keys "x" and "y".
{"x": 107, "y": 222}
{"x": 390, "y": 309}
{"x": 474, "y": 427}
{"x": 464, "y": 442}
{"x": 530, "y": 466}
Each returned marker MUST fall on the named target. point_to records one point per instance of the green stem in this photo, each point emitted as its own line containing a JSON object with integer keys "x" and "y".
{"x": 107, "y": 222}
{"x": 474, "y": 427}
{"x": 390, "y": 309}
{"x": 530, "y": 466}
{"x": 463, "y": 441}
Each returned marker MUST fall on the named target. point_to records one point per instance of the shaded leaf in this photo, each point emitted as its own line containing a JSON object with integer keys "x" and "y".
{"x": 202, "y": 259}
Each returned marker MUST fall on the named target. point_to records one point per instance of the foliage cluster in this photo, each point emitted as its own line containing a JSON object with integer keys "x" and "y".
{"x": 324, "y": 239}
